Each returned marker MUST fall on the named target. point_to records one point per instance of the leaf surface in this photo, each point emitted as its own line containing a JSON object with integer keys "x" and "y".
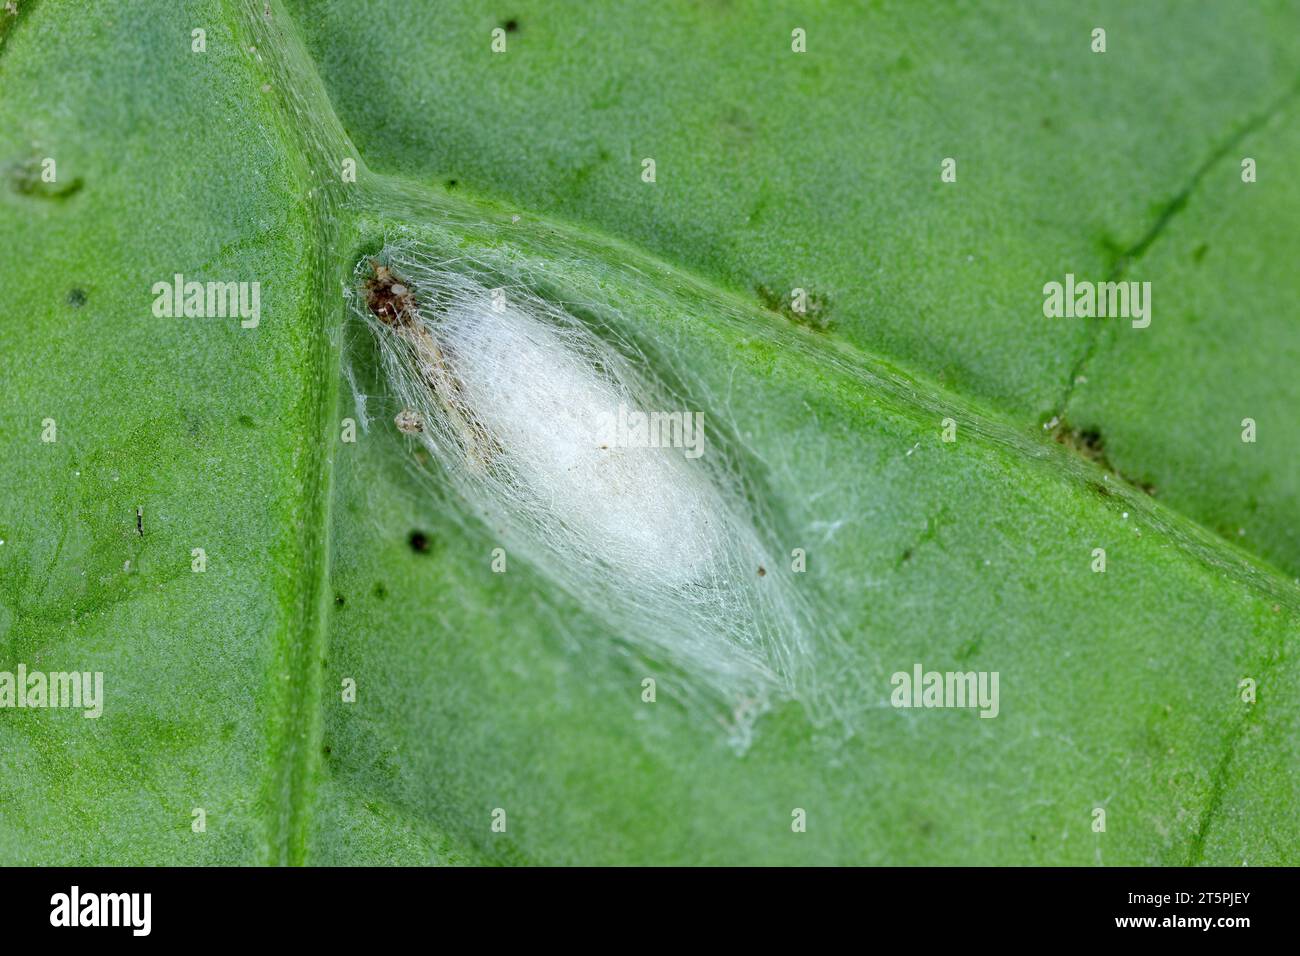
{"x": 478, "y": 691}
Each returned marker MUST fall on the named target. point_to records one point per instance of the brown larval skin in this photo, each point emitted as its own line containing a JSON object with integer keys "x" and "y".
{"x": 391, "y": 300}
{"x": 389, "y": 297}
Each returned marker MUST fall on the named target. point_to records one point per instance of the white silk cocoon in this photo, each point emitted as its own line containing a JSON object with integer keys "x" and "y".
{"x": 513, "y": 397}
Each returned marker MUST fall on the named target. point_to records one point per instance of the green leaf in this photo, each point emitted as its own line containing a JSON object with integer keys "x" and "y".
{"x": 330, "y": 561}
{"x": 821, "y": 171}
{"x": 210, "y": 429}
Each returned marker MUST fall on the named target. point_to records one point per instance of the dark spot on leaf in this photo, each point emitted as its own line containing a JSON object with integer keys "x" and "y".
{"x": 1100, "y": 488}
{"x": 339, "y": 600}
{"x": 933, "y": 524}
{"x": 419, "y": 542}
{"x": 77, "y": 298}
{"x": 771, "y": 301}
{"x": 762, "y": 571}
{"x": 380, "y": 591}
{"x": 247, "y": 421}
{"x": 816, "y": 307}
{"x": 1199, "y": 252}
{"x": 453, "y": 183}
{"x": 511, "y": 25}
{"x": 1087, "y": 442}
{"x": 1090, "y": 443}
{"x": 25, "y": 179}
{"x": 326, "y": 750}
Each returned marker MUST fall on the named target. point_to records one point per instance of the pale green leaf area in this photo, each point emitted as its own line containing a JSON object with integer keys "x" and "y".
{"x": 477, "y": 690}
{"x": 179, "y": 166}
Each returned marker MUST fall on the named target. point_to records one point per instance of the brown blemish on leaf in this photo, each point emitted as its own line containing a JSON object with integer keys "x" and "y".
{"x": 25, "y": 179}
{"x": 1100, "y": 488}
{"x": 816, "y": 315}
{"x": 1084, "y": 441}
{"x": 1090, "y": 443}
